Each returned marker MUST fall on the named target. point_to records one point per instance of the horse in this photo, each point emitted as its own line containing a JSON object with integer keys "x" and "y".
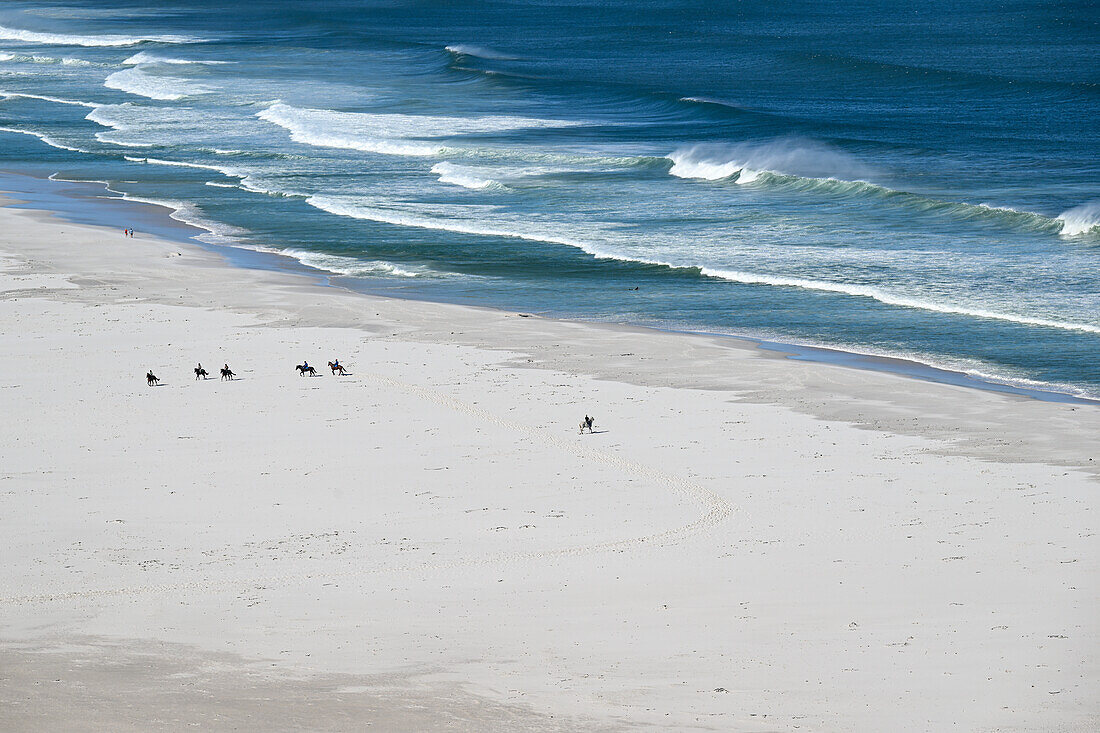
{"x": 227, "y": 373}
{"x": 336, "y": 366}
{"x": 304, "y": 369}
{"x": 151, "y": 379}
{"x": 200, "y": 373}
{"x": 587, "y": 423}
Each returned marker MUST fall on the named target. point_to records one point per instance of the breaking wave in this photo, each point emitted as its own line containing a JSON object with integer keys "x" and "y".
{"x": 813, "y": 168}
{"x": 351, "y": 208}
{"x": 351, "y": 266}
{"x": 44, "y": 98}
{"x": 466, "y": 49}
{"x": 165, "y": 88}
{"x": 389, "y": 133}
{"x": 46, "y": 139}
{"x": 36, "y": 59}
{"x": 795, "y": 157}
{"x": 65, "y": 39}
{"x": 464, "y": 176}
{"x": 144, "y": 57}
{"x": 187, "y": 213}
{"x": 228, "y": 172}
{"x": 1080, "y": 220}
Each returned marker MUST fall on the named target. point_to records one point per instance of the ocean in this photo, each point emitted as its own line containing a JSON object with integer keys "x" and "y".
{"x": 920, "y": 183}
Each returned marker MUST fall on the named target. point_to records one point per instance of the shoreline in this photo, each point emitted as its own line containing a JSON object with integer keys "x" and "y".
{"x": 274, "y": 261}
{"x": 746, "y": 542}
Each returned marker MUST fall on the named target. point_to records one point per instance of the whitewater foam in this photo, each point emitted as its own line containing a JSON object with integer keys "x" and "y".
{"x": 228, "y": 172}
{"x": 46, "y": 139}
{"x": 37, "y": 59}
{"x": 388, "y": 133}
{"x": 353, "y": 209}
{"x": 144, "y": 57}
{"x": 165, "y": 88}
{"x": 790, "y": 168}
{"x": 45, "y": 98}
{"x": 351, "y": 266}
{"x": 790, "y": 156}
{"x": 64, "y": 39}
{"x": 190, "y": 214}
{"x": 466, "y": 49}
{"x": 1083, "y": 219}
{"x": 464, "y": 176}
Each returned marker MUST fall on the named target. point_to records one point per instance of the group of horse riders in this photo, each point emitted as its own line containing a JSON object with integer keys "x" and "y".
{"x": 303, "y": 369}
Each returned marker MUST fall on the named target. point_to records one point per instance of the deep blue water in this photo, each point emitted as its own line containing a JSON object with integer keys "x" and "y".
{"x": 912, "y": 182}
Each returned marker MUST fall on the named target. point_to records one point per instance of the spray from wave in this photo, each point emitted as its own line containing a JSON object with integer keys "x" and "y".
{"x": 810, "y": 167}
{"x": 789, "y": 156}
{"x": 467, "y": 49}
{"x": 66, "y": 39}
{"x": 1081, "y": 220}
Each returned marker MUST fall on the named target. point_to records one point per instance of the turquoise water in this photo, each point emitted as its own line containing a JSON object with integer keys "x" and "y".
{"x": 917, "y": 183}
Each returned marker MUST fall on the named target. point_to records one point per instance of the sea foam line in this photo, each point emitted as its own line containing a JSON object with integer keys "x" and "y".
{"x": 36, "y": 59}
{"x": 64, "y": 39}
{"x": 352, "y": 210}
{"x": 164, "y": 88}
{"x": 46, "y": 139}
{"x": 45, "y": 98}
{"x": 187, "y": 213}
{"x": 144, "y": 57}
{"x": 228, "y": 172}
{"x": 389, "y": 133}
{"x": 464, "y": 176}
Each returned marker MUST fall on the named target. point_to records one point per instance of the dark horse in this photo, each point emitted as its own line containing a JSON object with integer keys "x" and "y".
{"x": 227, "y": 373}
{"x": 304, "y": 369}
{"x": 151, "y": 379}
{"x": 200, "y": 373}
{"x": 337, "y": 367}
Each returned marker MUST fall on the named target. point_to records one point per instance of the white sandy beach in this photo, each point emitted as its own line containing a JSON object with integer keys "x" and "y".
{"x": 746, "y": 543}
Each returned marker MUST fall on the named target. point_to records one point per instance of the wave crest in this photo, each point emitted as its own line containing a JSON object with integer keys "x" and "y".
{"x": 65, "y": 39}
{"x": 1083, "y": 219}
{"x": 388, "y": 133}
{"x": 791, "y": 156}
{"x": 144, "y": 57}
{"x": 344, "y": 206}
{"x": 467, "y": 49}
{"x": 165, "y": 88}
{"x": 809, "y": 167}
{"x": 465, "y": 176}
